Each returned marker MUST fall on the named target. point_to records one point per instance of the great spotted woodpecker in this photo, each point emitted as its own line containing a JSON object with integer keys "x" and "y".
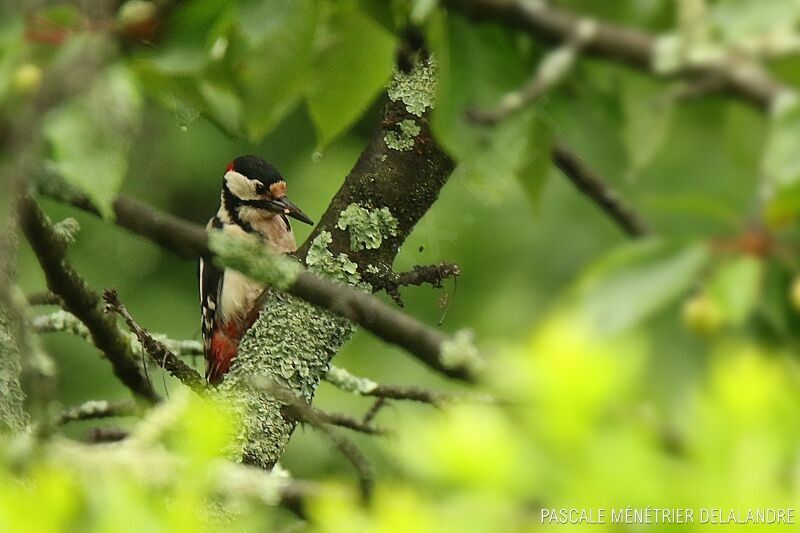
{"x": 253, "y": 201}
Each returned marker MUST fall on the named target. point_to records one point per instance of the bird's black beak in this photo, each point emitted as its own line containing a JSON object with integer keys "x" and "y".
{"x": 287, "y": 208}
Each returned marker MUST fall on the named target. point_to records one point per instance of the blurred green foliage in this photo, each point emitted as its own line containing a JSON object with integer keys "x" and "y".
{"x": 662, "y": 372}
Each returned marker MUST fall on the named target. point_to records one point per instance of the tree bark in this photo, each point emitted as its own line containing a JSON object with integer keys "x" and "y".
{"x": 391, "y": 187}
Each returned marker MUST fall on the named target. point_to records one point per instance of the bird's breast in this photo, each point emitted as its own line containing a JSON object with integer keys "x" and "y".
{"x": 272, "y": 227}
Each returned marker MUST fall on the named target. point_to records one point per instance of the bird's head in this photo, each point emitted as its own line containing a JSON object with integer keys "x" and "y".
{"x": 250, "y": 183}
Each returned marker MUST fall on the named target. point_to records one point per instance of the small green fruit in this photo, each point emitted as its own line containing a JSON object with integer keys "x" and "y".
{"x": 794, "y": 294}
{"x": 27, "y": 78}
{"x": 702, "y": 316}
{"x": 135, "y": 12}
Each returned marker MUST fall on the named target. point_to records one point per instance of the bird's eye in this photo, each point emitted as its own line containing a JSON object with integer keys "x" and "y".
{"x": 260, "y": 188}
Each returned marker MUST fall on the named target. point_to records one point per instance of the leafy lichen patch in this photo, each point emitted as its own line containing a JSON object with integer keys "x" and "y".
{"x": 66, "y": 230}
{"x": 321, "y": 261}
{"x": 13, "y": 417}
{"x": 416, "y": 89}
{"x": 404, "y": 139}
{"x": 460, "y": 351}
{"x": 367, "y": 227}
{"x": 344, "y": 380}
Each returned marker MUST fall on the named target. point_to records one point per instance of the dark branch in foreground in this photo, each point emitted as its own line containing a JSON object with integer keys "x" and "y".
{"x": 45, "y": 298}
{"x": 373, "y": 315}
{"x": 179, "y": 236}
{"x": 106, "y": 435}
{"x": 629, "y": 46}
{"x": 80, "y": 299}
{"x": 598, "y": 191}
{"x": 156, "y": 349}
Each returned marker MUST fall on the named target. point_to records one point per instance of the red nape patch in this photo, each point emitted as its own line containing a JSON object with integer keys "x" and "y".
{"x": 230, "y": 167}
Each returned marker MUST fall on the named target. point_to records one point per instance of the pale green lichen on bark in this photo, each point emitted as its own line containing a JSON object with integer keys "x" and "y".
{"x": 367, "y": 227}
{"x": 66, "y": 230}
{"x": 248, "y": 254}
{"x": 404, "y": 139}
{"x": 344, "y": 380}
{"x": 61, "y": 321}
{"x": 460, "y": 351}
{"x": 416, "y": 89}
{"x": 291, "y": 344}
{"x": 322, "y": 262}
{"x": 13, "y": 417}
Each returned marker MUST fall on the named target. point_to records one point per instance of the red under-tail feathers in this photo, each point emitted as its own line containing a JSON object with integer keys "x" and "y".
{"x": 225, "y": 347}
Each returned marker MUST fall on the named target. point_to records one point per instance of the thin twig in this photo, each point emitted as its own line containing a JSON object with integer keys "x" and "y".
{"x": 593, "y": 186}
{"x": 104, "y": 435}
{"x": 433, "y": 275}
{"x": 551, "y": 71}
{"x": 372, "y": 412}
{"x": 65, "y": 322}
{"x": 348, "y": 422}
{"x": 154, "y": 348}
{"x": 344, "y": 380}
{"x": 97, "y": 409}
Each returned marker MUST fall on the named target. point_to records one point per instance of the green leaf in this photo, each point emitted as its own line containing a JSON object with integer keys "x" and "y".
{"x": 223, "y": 105}
{"x": 781, "y": 157}
{"x": 647, "y": 119}
{"x": 478, "y": 65}
{"x": 353, "y": 66}
{"x": 735, "y": 20}
{"x": 735, "y": 287}
{"x": 536, "y": 164}
{"x": 636, "y": 281}
{"x": 275, "y": 69}
{"x": 91, "y": 136}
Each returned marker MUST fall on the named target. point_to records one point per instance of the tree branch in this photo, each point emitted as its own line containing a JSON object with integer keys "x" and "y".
{"x": 156, "y": 349}
{"x": 182, "y": 237}
{"x": 344, "y": 380}
{"x": 348, "y": 422}
{"x": 598, "y": 191}
{"x": 174, "y": 234}
{"x": 44, "y": 298}
{"x": 296, "y": 409}
{"x": 629, "y": 46}
{"x": 430, "y": 274}
{"x": 551, "y": 71}
{"x": 97, "y": 409}
{"x": 80, "y": 299}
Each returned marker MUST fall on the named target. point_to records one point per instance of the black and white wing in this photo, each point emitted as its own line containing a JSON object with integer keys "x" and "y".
{"x": 211, "y": 279}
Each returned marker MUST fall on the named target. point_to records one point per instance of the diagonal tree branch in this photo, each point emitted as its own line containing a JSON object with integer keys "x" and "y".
{"x": 629, "y": 46}
{"x": 154, "y": 348}
{"x": 191, "y": 240}
{"x": 80, "y": 299}
{"x": 599, "y": 192}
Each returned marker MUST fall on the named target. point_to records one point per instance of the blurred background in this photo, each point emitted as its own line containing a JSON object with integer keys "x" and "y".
{"x": 657, "y": 371}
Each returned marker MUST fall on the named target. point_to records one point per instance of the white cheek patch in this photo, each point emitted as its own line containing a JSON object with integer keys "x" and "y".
{"x": 240, "y": 186}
